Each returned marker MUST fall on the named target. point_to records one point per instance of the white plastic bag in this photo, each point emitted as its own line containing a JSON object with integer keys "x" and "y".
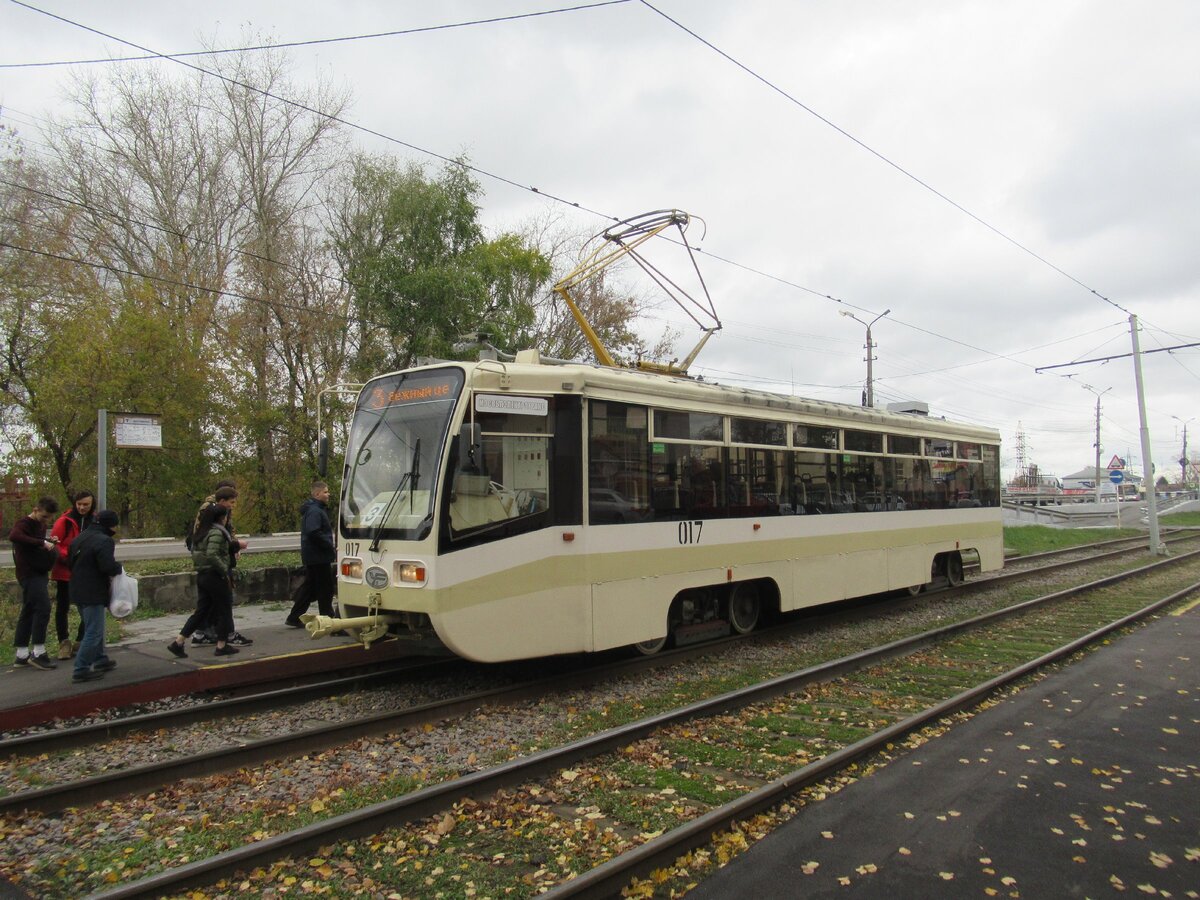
{"x": 123, "y": 595}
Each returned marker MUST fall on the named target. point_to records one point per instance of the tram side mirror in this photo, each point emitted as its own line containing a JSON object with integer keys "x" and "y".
{"x": 470, "y": 436}
{"x": 322, "y": 455}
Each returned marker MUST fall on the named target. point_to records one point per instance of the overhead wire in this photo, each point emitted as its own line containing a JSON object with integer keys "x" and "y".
{"x": 881, "y": 157}
{"x": 533, "y": 189}
{"x": 283, "y": 45}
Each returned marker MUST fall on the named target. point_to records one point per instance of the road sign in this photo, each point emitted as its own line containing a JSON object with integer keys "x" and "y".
{"x": 1116, "y": 462}
{"x": 1116, "y": 476}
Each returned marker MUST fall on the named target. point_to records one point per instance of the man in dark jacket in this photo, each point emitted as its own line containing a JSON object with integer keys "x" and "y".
{"x": 318, "y": 554}
{"x": 33, "y": 556}
{"x": 93, "y": 565}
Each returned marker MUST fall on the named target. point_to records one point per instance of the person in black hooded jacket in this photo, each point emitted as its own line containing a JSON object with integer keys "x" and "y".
{"x": 318, "y": 554}
{"x": 93, "y": 564}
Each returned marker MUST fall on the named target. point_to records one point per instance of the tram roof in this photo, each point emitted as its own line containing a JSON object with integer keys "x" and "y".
{"x": 632, "y": 385}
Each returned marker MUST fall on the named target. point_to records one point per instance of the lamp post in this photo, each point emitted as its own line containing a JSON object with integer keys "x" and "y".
{"x": 1183, "y": 457}
{"x": 1099, "y": 394}
{"x": 869, "y": 394}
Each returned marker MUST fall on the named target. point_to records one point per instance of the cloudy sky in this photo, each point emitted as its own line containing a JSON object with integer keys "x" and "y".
{"x": 1011, "y": 180}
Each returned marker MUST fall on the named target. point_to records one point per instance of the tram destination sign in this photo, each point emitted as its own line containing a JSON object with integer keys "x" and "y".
{"x": 521, "y": 406}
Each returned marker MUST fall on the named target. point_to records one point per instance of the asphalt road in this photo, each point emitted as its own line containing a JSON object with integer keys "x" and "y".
{"x": 166, "y": 548}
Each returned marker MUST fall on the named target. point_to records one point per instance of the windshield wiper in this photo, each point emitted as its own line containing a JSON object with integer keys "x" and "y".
{"x": 410, "y": 478}
{"x": 359, "y": 458}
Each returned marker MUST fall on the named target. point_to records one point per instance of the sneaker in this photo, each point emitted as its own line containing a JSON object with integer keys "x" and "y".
{"x": 104, "y": 665}
{"x": 86, "y": 675}
{"x": 22, "y": 661}
{"x": 200, "y": 638}
{"x": 42, "y": 661}
{"x": 293, "y": 623}
{"x": 177, "y": 649}
{"x": 240, "y": 639}
{"x": 225, "y": 651}
{"x": 64, "y": 649}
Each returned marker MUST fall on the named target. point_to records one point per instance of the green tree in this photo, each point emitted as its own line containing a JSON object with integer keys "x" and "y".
{"x": 421, "y": 269}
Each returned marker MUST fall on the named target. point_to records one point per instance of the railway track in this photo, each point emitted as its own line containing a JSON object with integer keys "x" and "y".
{"x": 437, "y": 800}
{"x": 119, "y": 781}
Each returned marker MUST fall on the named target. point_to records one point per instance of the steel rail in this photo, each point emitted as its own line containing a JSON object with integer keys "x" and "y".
{"x": 607, "y": 879}
{"x": 437, "y": 798}
{"x": 117, "y": 783}
{"x": 96, "y": 732}
{"x": 83, "y": 735}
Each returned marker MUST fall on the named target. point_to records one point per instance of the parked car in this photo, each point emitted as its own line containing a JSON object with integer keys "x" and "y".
{"x": 608, "y": 507}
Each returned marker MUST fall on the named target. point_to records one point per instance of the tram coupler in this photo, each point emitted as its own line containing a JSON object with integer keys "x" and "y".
{"x": 367, "y": 629}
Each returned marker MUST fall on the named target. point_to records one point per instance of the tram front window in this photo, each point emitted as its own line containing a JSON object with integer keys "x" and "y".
{"x": 394, "y": 452}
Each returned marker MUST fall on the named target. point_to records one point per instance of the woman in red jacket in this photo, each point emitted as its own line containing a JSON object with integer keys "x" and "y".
{"x": 66, "y": 529}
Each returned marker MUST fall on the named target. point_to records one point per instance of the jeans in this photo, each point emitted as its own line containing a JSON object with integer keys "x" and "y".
{"x": 35, "y": 611}
{"x": 91, "y": 648}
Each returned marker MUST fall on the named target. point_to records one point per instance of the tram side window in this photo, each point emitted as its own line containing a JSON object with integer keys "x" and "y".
{"x": 688, "y": 481}
{"x": 755, "y": 486}
{"x": 940, "y": 493}
{"x": 688, "y": 426}
{"x": 757, "y": 431}
{"x": 511, "y": 476}
{"x": 862, "y": 482}
{"x": 813, "y": 484}
{"x": 990, "y": 491}
{"x": 911, "y": 482}
{"x": 817, "y": 437}
{"x": 863, "y": 441}
{"x": 618, "y": 476}
{"x": 891, "y": 487}
{"x": 938, "y": 447}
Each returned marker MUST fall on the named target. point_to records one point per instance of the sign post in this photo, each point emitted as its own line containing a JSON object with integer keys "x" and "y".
{"x": 1116, "y": 476}
{"x": 142, "y": 431}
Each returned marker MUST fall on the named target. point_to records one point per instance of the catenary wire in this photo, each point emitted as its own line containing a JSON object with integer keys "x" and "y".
{"x": 282, "y": 45}
{"x": 903, "y": 171}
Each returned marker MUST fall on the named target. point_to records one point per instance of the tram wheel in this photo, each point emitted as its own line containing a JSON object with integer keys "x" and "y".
{"x": 914, "y": 589}
{"x": 649, "y": 648}
{"x": 954, "y": 569}
{"x": 744, "y": 607}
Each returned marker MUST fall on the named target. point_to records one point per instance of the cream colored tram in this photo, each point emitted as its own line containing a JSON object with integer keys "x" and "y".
{"x": 512, "y": 510}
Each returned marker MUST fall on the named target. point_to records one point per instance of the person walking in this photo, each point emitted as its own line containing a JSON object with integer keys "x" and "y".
{"x": 318, "y": 554}
{"x": 214, "y": 598}
{"x": 69, "y": 526}
{"x": 33, "y": 557}
{"x": 224, "y": 495}
{"x": 93, "y": 564}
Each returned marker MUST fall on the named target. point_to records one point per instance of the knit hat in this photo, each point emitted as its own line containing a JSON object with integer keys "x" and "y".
{"x": 108, "y": 519}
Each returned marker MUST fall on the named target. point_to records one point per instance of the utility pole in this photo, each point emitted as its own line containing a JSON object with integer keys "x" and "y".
{"x": 869, "y": 392}
{"x": 1156, "y": 545}
{"x": 1099, "y": 394}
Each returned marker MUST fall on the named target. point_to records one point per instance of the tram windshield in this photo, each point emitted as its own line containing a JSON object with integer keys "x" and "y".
{"x": 394, "y": 454}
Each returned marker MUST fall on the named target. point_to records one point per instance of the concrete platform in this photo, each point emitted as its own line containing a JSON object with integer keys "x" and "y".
{"x": 1086, "y": 784}
{"x": 147, "y": 671}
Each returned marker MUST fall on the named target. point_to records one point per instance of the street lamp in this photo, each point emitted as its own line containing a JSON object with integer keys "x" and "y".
{"x": 1183, "y": 457}
{"x": 869, "y": 394}
{"x": 1099, "y": 394}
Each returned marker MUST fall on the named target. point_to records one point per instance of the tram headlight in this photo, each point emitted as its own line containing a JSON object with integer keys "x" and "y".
{"x": 352, "y": 568}
{"x": 409, "y": 573}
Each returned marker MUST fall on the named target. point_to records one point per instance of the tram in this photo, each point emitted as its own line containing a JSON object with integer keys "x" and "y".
{"x": 506, "y": 510}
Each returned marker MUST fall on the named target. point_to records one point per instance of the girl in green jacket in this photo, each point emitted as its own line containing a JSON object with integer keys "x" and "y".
{"x": 210, "y": 556}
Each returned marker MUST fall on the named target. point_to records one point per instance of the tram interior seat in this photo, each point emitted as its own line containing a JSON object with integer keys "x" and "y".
{"x": 475, "y": 502}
